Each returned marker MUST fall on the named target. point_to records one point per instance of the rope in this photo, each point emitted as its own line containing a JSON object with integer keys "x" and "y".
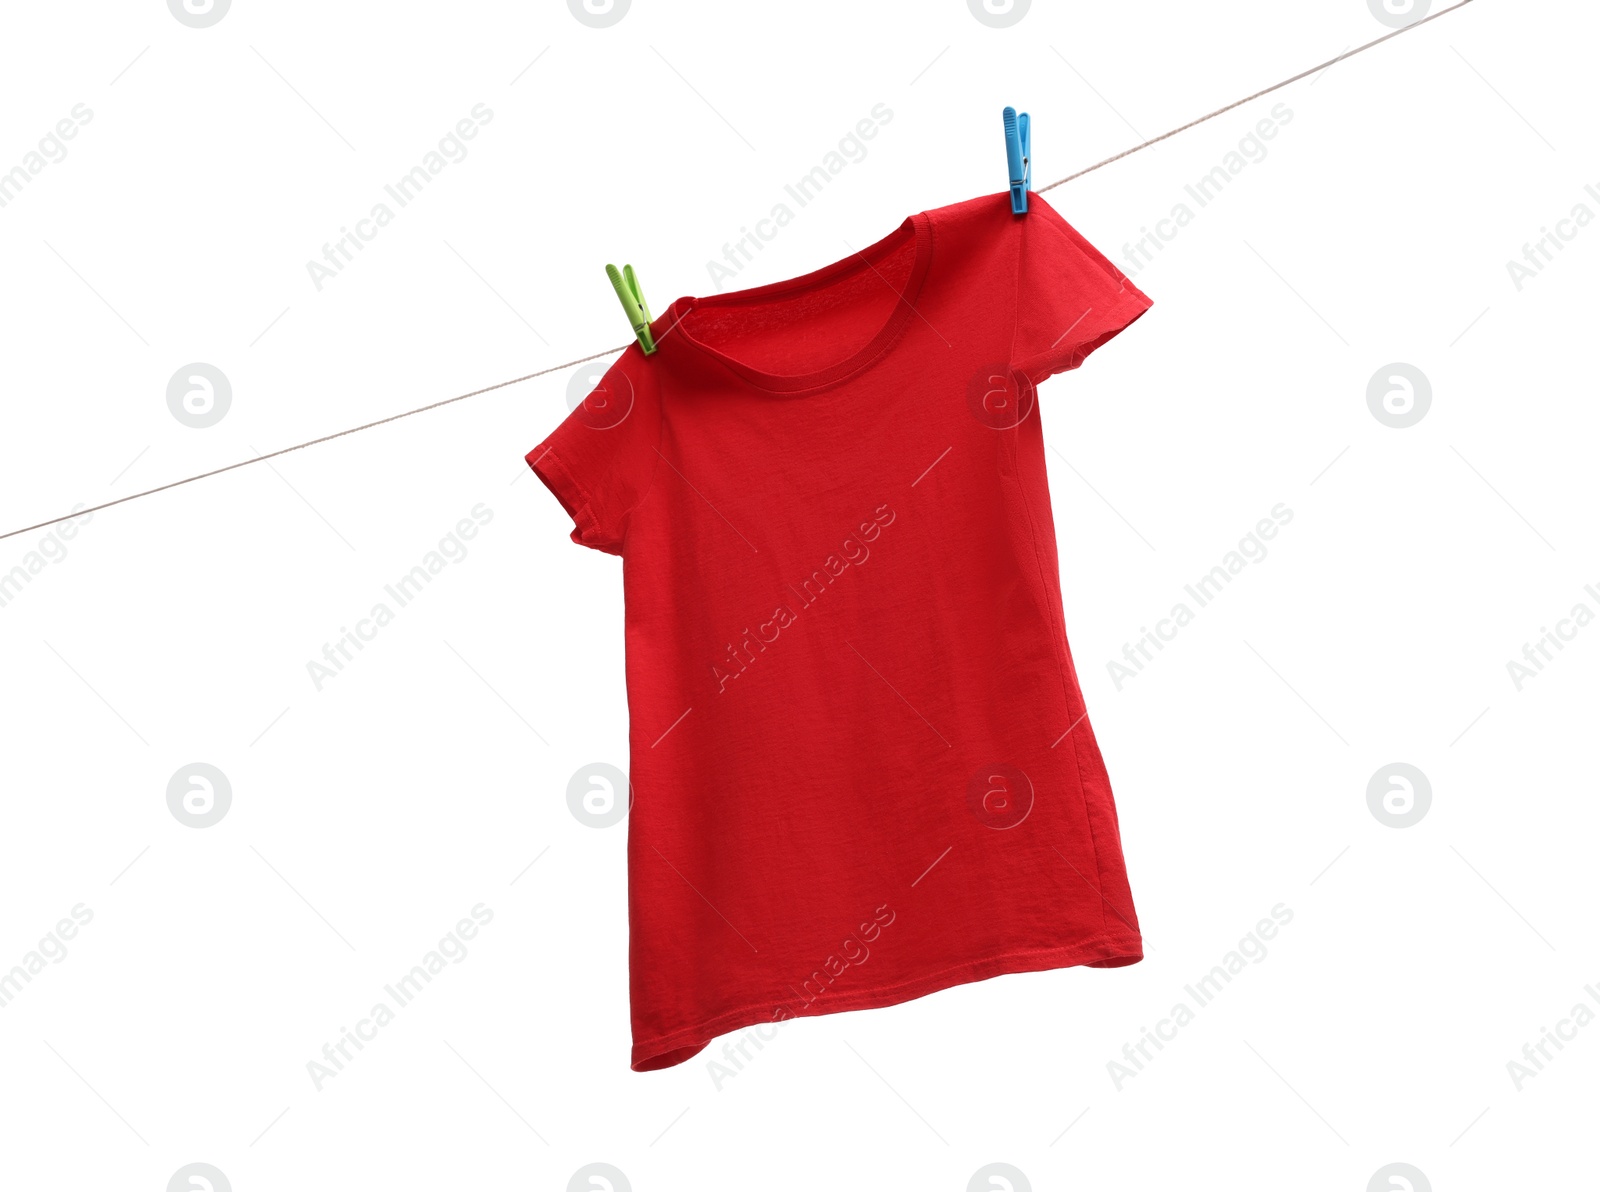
{"x": 1247, "y": 99}
{"x": 609, "y": 351}
{"x": 338, "y": 434}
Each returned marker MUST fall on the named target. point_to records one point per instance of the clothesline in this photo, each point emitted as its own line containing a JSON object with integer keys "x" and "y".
{"x": 256, "y": 459}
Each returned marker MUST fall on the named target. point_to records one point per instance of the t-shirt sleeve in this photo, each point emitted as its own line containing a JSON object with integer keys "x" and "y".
{"x": 601, "y": 460}
{"x": 1070, "y": 298}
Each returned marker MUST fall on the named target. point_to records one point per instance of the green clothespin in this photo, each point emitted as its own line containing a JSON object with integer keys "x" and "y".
{"x": 626, "y": 284}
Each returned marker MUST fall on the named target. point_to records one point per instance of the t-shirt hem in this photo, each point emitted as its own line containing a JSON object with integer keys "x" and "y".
{"x": 563, "y": 485}
{"x": 1105, "y": 951}
{"x": 1103, "y": 326}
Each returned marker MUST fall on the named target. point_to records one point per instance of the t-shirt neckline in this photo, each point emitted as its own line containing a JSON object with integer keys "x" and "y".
{"x": 675, "y": 329}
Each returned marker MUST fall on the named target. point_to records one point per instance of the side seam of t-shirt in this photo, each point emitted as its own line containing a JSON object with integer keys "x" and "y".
{"x": 1054, "y": 613}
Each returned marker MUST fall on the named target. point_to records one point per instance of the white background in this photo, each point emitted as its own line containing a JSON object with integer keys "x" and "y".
{"x": 369, "y": 816}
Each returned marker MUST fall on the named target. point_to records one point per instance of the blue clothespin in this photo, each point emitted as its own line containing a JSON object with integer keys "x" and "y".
{"x": 1019, "y": 153}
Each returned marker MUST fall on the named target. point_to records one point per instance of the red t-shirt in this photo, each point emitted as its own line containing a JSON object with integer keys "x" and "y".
{"x": 861, "y": 765}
